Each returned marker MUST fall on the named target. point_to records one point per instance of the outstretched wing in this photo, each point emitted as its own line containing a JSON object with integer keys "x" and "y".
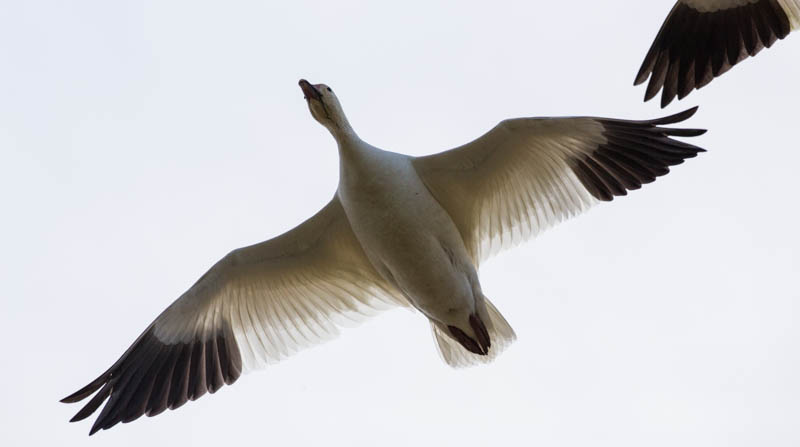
{"x": 702, "y": 39}
{"x": 528, "y": 174}
{"x": 257, "y": 305}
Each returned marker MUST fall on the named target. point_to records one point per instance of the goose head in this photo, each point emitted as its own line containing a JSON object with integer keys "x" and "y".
{"x": 325, "y": 107}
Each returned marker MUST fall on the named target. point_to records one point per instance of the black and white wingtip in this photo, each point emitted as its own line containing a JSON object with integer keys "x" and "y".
{"x": 153, "y": 376}
{"x": 635, "y": 153}
{"x": 702, "y": 39}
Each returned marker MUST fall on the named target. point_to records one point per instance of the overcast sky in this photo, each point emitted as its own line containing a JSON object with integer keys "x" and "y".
{"x": 141, "y": 141}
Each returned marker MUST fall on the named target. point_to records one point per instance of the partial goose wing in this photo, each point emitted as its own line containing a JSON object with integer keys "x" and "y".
{"x": 702, "y": 39}
{"x": 257, "y": 305}
{"x": 528, "y": 174}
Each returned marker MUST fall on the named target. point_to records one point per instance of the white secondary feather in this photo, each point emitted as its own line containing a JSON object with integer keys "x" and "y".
{"x": 284, "y": 294}
{"x": 514, "y": 181}
{"x": 790, "y": 7}
{"x": 716, "y": 5}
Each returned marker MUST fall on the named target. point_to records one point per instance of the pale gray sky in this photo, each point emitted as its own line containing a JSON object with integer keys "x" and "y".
{"x": 141, "y": 141}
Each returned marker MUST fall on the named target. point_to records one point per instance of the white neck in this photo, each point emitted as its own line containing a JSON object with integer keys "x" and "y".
{"x": 341, "y": 130}
{"x": 350, "y": 145}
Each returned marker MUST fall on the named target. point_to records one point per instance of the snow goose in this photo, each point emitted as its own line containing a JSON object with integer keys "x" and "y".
{"x": 400, "y": 231}
{"x": 702, "y": 39}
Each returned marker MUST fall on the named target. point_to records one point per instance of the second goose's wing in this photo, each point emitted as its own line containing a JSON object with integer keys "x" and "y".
{"x": 702, "y": 39}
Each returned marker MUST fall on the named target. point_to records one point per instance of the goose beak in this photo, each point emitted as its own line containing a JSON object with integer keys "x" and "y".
{"x": 309, "y": 90}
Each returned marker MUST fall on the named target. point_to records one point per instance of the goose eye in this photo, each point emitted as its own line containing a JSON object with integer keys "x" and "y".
{"x": 329, "y": 89}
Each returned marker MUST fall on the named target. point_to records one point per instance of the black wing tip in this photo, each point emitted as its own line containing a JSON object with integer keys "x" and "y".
{"x": 643, "y": 74}
{"x": 665, "y": 100}
{"x": 73, "y": 398}
{"x": 675, "y": 118}
{"x": 692, "y": 110}
{"x": 86, "y": 391}
{"x": 650, "y": 93}
{"x": 78, "y": 417}
{"x": 153, "y": 376}
{"x": 635, "y": 153}
{"x": 710, "y": 42}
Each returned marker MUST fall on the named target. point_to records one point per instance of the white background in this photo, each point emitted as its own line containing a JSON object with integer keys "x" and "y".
{"x": 142, "y": 141}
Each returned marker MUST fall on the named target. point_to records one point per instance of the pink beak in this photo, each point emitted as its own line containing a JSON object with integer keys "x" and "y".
{"x": 309, "y": 90}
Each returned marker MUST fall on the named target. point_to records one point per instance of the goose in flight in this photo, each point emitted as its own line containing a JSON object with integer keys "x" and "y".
{"x": 399, "y": 231}
{"x": 702, "y": 39}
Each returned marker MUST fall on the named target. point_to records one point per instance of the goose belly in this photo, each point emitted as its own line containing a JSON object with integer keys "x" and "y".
{"x": 411, "y": 241}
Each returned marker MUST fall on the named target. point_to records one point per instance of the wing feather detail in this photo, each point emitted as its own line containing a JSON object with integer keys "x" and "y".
{"x": 256, "y": 306}
{"x": 528, "y": 174}
{"x": 702, "y": 39}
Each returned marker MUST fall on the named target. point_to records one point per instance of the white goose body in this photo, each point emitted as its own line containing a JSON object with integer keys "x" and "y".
{"x": 400, "y": 231}
{"x": 407, "y": 235}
